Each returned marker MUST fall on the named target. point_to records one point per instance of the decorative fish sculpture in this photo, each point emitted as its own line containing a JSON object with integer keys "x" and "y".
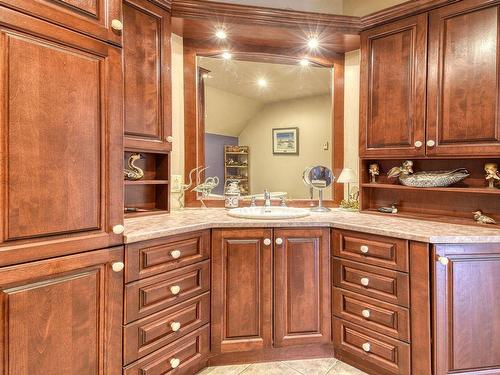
{"x": 427, "y": 179}
{"x": 133, "y": 172}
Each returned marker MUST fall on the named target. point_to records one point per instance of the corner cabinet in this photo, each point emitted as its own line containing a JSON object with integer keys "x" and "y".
{"x": 251, "y": 311}
{"x": 466, "y": 309}
{"x": 61, "y": 130}
{"x": 63, "y": 315}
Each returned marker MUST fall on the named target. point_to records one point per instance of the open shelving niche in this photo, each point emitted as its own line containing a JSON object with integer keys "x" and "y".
{"x": 241, "y": 155}
{"x": 149, "y": 195}
{"x": 454, "y": 204}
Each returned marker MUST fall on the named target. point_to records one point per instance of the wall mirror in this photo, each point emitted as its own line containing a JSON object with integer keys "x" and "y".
{"x": 263, "y": 122}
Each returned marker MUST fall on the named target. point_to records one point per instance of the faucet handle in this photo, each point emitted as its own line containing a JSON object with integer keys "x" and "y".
{"x": 253, "y": 202}
{"x": 283, "y": 202}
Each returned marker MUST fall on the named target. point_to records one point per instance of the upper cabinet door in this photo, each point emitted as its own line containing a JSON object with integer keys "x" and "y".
{"x": 146, "y": 51}
{"x": 393, "y": 79}
{"x": 97, "y": 18}
{"x": 463, "y": 88}
{"x": 61, "y": 131}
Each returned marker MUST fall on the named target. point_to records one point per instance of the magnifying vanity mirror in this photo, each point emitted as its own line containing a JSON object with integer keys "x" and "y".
{"x": 264, "y": 121}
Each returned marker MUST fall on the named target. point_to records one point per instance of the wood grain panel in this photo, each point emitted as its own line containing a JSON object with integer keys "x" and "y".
{"x": 241, "y": 290}
{"x": 464, "y": 83}
{"x": 62, "y": 316}
{"x": 302, "y": 287}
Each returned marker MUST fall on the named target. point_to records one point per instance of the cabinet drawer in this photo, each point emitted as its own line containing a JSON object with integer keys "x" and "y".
{"x": 391, "y": 320}
{"x": 157, "y": 330}
{"x": 371, "y": 249}
{"x": 380, "y": 283}
{"x": 156, "y": 293}
{"x": 190, "y": 352}
{"x": 144, "y": 259}
{"x": 391, "y": 356}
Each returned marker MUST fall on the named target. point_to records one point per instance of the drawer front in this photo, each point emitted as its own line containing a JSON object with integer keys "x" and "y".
{"x": 156, "y": 293}
{"x": 382, "y": 317}
{"x": 379, "y": 283}
{"x": 188, "y": 353}
{"x": 149, "y": 258}
{"x": 391, "y": 356}
{"x": 149, "y": 334}
{"x": 371, "y": 249}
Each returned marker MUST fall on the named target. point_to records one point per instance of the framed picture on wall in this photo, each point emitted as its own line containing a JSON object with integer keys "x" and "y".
{"x": 286, "y": 141}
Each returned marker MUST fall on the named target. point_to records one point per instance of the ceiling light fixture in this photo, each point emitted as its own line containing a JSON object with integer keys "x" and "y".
{"x": 262, "y": 82}
{"x": 227, "y": 55}
{"x": 313, "y": 42}
{"x": 221, "y": 34}
{"x": 305, "y": 62}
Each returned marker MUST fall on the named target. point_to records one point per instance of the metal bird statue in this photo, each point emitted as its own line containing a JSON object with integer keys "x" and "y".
{"x": 185, "y": 187}
{"x": 483, "y": 219}
{"x": 427, "y": 179}
{"x": 206, "y": 188}
{"x": 133, "y": 173}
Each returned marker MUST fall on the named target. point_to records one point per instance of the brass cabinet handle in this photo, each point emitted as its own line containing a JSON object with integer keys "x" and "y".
{"x": 443, "y": 260}
{"x": 364, "y": 249}
{"x": 279, "y": 241}
{"x": 418, "y": 144}
{"x": 431, "y": 143}
{"x": 175, "y": 289}
{"x": 366, "y": 347}
{"x": 118, "y": 229}
{"x": 366, "y": 313}
{"x": 117, "y": 266}
{"x": 365, "y": 281}
{"x": 175, "y": 326}
{"x": 117, "y": 25}
{"x": 267, "y": 242}
{"x": 175, "y": 362}
{"x": 176, "y": 254}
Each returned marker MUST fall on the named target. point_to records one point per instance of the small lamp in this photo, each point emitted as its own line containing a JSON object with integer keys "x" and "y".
{"x": 347, "y": 176}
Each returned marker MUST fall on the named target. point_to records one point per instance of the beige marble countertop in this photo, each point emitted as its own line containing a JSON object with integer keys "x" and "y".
{"x": 187, "y": 220}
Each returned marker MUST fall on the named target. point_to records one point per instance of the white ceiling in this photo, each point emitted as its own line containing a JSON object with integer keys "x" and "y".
{"x": 345, "y": 7}
{"x": 285, "y": 82}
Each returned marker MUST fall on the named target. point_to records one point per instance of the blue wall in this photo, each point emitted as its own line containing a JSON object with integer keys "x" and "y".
{"x": 214, "y": 157}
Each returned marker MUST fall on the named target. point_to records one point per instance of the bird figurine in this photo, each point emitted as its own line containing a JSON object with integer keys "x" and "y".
{"x": 483, "y": 219}
{"x": 185, "y": 187}
{"x": 492, "y": 174}
{"x": 205, "y": 188}
{"x": 407, "y": 176}
{"x": 133, "y": 173}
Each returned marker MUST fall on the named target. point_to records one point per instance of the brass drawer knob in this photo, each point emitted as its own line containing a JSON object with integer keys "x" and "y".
{"x": 170, "y": 139}
{"x": 443, "y": 260}
{"x": 118, "y": 229}
{"x": 418, "y": 144}
{"x": 366, "y": 313}
{"x": 366, "y": 347}
{"x": 175, "y": 289}
{"x": 267, "y": 242}
{"x": 431, "y": 143}
{"x": 365, "y": 281}
{"x": 175, "y": 326}
{"x": 117, "y": 266}
{"x": 176, "y": 254}
{"x": 117, "y": 25}
{"x": 364, "y": 249}
{"x": 175, "y": 362}
{"x": 279, "y": 241}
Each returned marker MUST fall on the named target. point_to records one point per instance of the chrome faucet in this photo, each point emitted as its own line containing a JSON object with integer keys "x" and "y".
{"x": 267, "y": 201}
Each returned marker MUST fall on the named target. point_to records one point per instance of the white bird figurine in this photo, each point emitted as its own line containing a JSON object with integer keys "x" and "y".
{"x": 185, "y": 187}
{"x": 133, "y": 172}
{"x": 483, "y": 219}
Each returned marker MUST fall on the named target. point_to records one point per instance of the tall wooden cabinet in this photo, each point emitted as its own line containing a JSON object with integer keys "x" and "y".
{"x": 64, "y": 313}
{"x": 466, "y": 309}
{"x": 61, "y": 126}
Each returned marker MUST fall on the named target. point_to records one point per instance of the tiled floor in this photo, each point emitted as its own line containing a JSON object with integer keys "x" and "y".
{"x": 327, "y": 366}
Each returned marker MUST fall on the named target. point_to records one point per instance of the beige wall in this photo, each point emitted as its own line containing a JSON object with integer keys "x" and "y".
{"x": 227, "y": 113}
{"x": 284, "y": 172}
{"x": 326, "y": 6}
{"x": 363, "y": 7}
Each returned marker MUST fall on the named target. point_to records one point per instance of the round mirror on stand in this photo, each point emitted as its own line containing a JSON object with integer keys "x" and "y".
{"x": 319, "y": 178}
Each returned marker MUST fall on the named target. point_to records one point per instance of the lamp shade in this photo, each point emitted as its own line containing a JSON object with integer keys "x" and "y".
{"x": 347, "y": 176}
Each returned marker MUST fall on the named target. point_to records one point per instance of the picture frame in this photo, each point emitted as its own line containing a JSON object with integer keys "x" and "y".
{"x": 285, "y": 141}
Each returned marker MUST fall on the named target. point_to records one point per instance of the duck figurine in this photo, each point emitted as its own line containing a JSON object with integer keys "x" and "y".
{"x": 133, "y": 173}
{"x": 427, "y": 179}
{"x": 482, "y": 218}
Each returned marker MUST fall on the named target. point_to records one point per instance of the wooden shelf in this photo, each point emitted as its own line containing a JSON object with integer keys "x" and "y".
{"x": 146, "y": 182}
{"x": 236, "y": 166}
{"x": 236, "y": 153}
{"x": 469, "y": 190}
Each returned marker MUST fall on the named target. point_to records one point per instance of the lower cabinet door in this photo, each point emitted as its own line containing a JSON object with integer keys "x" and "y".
{"x": 302, "y": 309}
{"x": 62, "y": 315}
{"x": 241, "y": 290}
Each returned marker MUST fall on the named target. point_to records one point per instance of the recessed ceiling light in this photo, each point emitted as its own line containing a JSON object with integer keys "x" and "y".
{"x": 221, "y": 34}
{"x": 304, "y": 62}
{"x": 262, "y": 82}
{"x": 313, "y": 42}
{"x": 227, "y": 55}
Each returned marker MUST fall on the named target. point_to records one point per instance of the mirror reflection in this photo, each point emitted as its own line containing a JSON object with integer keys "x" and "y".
{"x": 265, "y": 123}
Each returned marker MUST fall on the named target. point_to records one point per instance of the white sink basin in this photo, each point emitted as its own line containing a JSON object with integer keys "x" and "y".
{"x": 274, "y": 213}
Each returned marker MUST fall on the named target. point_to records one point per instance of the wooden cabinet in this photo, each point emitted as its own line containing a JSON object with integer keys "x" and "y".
{"x": 241, "y": 290}
{"x": 62, "y": 316}
{"x": 302, "y": 309}
{"x": 146, "y": 57}
{"x": 91, "y": 17}
{"x": 466, "y": 309}
{"x": 61, "y": 174}
{"x": 463, "y": 88}
{"x": 393, "y": 78}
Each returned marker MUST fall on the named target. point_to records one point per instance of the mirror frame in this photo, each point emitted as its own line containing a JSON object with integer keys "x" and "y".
{"x": 194, "y": 124}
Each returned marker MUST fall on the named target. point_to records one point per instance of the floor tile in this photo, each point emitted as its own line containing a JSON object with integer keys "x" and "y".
{"x": 224, "y": 370}
{"x": 270, "y": 368}
{"x": 341, "y": 368}
{"x": 312, "y": 366}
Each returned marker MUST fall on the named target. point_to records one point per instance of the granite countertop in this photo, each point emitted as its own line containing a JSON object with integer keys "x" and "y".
{"x": 188, "y": 220}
